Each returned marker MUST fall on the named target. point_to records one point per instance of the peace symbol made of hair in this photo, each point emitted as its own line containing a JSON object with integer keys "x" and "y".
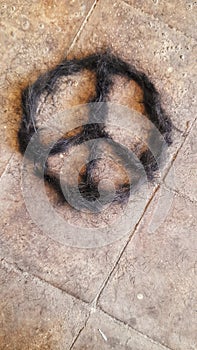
{"x": 105, "y": 66}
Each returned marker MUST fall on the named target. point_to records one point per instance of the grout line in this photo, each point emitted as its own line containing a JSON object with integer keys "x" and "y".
{"x": 25, "y": 273}
{"x": 80, "y": 331}
{"x": 82, "y": 27}
{"x": 160, "y": 20}
{"x": 165, "y": 347}
{"x": 56, "y": 287}
{"x": 182, "y": 195}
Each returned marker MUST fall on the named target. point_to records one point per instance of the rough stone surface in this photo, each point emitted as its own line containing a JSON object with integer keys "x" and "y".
{"x": 35, "y": 315}
{"x": 180, "y": 16}
{"x": 182, "y": 177}
{"x": 102, "y": 332}
{"x": 153, "y": 288}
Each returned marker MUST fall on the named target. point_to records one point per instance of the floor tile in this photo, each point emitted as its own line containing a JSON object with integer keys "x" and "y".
{"x": 103, "y": 332}
{"x": 35, "y": 315}
{"x": 182, "y": 177}
{"x": 153, "y": 287}
{"x": 181, "y": 17}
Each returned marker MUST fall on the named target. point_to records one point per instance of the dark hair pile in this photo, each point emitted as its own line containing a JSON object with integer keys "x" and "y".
{"x": 105, "y": 66}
